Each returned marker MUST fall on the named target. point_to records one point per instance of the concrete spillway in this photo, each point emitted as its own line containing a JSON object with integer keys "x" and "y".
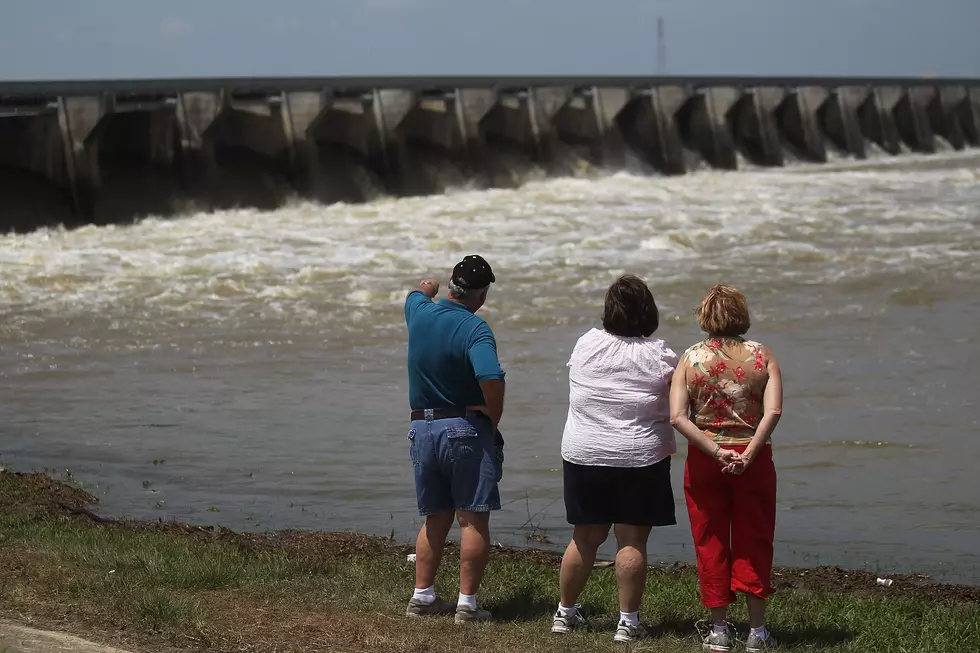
{"x": 81, "y": 152}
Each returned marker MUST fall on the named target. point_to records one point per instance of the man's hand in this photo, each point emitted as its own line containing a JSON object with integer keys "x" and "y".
{"x": 429, "y": 287}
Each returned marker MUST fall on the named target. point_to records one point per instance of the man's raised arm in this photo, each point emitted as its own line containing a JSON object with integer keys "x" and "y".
{"x": 429, "y": 288}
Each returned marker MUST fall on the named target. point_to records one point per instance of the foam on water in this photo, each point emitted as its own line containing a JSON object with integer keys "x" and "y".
{"x": 846, "y": 221}
{"x": 563, "y": 229}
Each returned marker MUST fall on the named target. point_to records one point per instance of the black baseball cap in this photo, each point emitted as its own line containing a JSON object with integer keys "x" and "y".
{"x": 473, "y": 272}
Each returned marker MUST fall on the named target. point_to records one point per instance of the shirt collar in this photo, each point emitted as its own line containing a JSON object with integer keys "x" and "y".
{"x": 448, "y": 303}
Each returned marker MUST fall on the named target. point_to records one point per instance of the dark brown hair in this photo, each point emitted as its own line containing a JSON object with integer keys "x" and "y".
{"x": 630, "y": 310}
{"x": 724, "y": 312}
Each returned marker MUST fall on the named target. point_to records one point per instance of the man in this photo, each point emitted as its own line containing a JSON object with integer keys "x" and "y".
{"x": 456, "y": 392}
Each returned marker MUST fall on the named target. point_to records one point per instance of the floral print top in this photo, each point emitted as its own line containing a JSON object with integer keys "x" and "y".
{"x": 726, "y": 380}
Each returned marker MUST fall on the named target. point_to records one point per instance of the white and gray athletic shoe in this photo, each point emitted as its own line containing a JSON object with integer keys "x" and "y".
{"x": 755, "y": 644}
{"x": 566, "y": 624}
{"x": 626, "y": 633}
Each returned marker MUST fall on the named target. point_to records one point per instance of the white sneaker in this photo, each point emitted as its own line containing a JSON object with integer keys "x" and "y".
{"x": 626, "y": 633}
{"x": 466, "y": 615}
{"x": 756, "y": 644}
{"x": 713, "y": 642}
{"x": 566, "y": 624}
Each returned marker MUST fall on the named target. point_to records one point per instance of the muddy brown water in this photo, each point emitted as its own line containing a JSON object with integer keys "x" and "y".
{"x": 246, "y": 368}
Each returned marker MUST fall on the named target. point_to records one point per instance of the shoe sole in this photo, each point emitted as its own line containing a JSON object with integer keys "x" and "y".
{"x": 420, "y": 615}
{"x": 463, "y": 622}
{"x": 711, "y": 648}
{"x": 562, "y": 628}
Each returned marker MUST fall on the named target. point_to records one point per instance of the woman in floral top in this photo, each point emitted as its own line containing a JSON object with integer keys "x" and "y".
{"x": 726, "y": 398}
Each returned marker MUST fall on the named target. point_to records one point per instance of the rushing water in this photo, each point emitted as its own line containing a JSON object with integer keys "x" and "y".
{"x": 247, "y": 368}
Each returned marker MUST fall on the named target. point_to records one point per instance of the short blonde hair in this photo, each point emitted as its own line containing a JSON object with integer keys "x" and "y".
{"x": 724, "y": 312}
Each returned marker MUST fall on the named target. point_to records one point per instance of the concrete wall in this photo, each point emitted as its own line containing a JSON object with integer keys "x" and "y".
{"x": 752, "y": 122}
{"x": 705, "y": 126}
{"x": 798, "y": 118}
{"x": 35, "y": 189}
{"x": 650, "y": 127}
{"x": 117, "y": 156}
{"x": 579, "y": 123}
{"x": 838, "y": 116}
{"x": 943, "y": 117}
{"x": 968, "y": 115}
{"x": 912, "y": 119}
{"x": 877, "y": 118}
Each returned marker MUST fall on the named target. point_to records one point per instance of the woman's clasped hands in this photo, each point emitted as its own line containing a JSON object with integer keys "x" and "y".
{"x": 732, "y": 462}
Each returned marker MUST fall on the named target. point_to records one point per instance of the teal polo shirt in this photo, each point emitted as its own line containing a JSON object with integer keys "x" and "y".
{"x": 450, "y": 351}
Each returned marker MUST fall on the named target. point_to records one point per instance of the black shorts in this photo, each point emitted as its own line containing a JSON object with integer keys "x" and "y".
{"x": 641, "y": 496}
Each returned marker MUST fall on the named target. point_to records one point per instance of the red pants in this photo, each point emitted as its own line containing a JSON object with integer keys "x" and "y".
{"x": 733, "y": 520}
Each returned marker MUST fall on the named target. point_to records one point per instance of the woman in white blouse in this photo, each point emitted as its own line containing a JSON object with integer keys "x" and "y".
{"x": 616, "y": 451}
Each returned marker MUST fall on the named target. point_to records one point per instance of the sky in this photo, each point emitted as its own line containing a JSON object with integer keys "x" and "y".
{"x": 125, "y": 39}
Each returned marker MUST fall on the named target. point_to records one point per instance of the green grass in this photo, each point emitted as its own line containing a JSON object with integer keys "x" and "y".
{"x": 168, "y": 587}
{"x": 150, "y": 559}
{"x": 178, "y": 591}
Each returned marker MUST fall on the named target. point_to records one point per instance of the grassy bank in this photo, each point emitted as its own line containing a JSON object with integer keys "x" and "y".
{"x": 152, "y": 586}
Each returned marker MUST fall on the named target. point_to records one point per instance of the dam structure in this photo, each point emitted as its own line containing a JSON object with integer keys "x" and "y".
{"x": 82, "y": 152}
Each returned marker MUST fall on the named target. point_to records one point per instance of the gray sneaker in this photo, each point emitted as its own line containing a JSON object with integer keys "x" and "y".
{"x": 466, "y": 615}
{"x": 418, "y": 609}
{"x": 567, "y": 624}
{"x": 717, "y": 642}
{"x": 626, "y": 633}
{"x": 754, "y": 643}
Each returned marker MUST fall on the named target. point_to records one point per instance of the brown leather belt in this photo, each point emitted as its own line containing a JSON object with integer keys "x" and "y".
{"x": 444, "y": 413}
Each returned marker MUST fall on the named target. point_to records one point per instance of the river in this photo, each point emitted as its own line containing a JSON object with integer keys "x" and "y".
{"x": 246, "y": 368}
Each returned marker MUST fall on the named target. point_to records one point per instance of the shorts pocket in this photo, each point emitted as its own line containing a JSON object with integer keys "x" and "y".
{"x": 412, "y": 448}
{"x": 462, "y": 441}
{"x": 459, "y": 432}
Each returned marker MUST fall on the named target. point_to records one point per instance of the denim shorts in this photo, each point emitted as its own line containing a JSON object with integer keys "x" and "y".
{"x": 458, "y": 463}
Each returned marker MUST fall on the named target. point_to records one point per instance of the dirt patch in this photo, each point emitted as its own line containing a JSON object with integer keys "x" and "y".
{"x": 39, "y": 495}
{"x": 865, "y": 583}
{"x": 244, "y": 623}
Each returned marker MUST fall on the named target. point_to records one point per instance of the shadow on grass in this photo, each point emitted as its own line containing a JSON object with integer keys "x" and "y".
{"x": 522, "y": 605}
{"x": 796, "y": 638}
{"x": 809, "y": 637}
{"x": 679, "y": 628}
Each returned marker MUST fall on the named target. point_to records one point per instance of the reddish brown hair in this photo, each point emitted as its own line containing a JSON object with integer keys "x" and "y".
{"x": 724, "y": 312}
